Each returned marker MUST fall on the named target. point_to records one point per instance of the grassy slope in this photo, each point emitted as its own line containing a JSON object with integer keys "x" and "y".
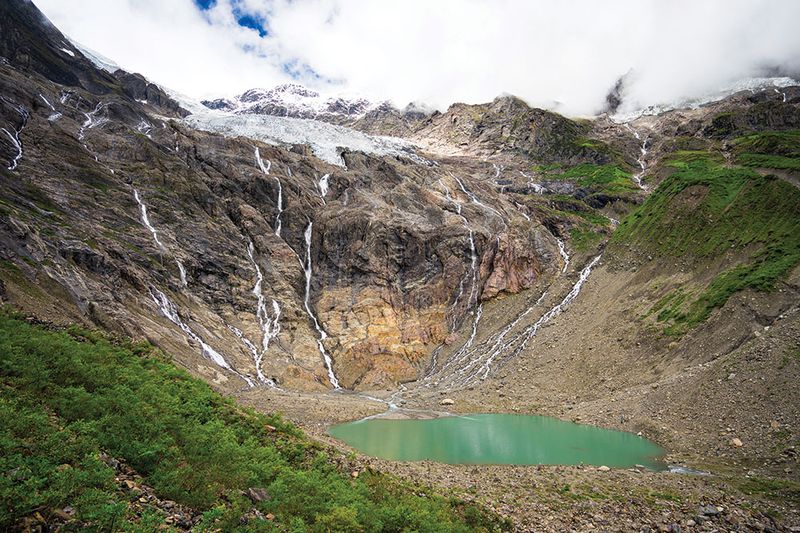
{"x": 739, "y": 212}
{"x": 65, "y": 397}
{"x": 778, "y": 150}
{"x": 610, "y": 179}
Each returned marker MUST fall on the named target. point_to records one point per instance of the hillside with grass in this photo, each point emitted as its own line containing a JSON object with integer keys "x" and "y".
{"x": 80, "y": 408}
{"x": 730, "y": 216}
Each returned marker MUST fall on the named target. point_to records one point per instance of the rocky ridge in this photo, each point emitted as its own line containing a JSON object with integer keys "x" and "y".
{"x": 296, "y": 101}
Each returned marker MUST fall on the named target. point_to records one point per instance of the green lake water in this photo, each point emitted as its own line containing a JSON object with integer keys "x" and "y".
{"x": 498, "y": 439}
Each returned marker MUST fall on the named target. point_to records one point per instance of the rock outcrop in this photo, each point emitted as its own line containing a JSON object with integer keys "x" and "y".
{"x": 120, "y": 217}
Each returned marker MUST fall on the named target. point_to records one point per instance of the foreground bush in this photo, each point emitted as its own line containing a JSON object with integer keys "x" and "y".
{"x": 66, "y": 397}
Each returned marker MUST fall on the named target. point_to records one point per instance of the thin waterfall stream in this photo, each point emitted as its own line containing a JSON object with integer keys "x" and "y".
{"x": 307, "y": 267}
{"x": 170, "y": 310}
{"x": 14, "y": 136}
{"x": 265, "y": 169}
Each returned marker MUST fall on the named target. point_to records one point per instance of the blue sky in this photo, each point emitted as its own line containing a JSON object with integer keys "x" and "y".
{"x": 246, "y": 20}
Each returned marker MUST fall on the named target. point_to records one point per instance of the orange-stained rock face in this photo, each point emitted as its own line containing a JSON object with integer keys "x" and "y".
{"x": 377, "y": 344}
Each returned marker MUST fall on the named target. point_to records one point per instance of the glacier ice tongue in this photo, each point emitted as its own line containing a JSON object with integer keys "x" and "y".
{"x": 325, "y": 140}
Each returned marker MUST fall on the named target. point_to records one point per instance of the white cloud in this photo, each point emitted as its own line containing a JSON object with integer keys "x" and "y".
{"x": 549, "y": 52}
{"x": 171, "y": 42}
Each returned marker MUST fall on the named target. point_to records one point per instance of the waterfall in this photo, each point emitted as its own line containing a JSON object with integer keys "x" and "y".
{"x": 265, "y": 170}
{"x": 46, "y": 101}
{"x": 474, "y": 333}
{"x": 90, "y": 121}
{"x": 474, "y": 362}
{"x": 170, "y": 311}
{"x": 144, "y": 128}
{"x": 497, "y": 170}
{"x": 146, "y": 222}
{"x": 535, "y": 187}
{"x": 323, "y": 186}
{"x": 280, "y": 208}
{"x": 641, "y": 160}
{"x": 55, "y": 115}
{"x": 564, "y": 255}
{"x": 146, "y": 219}
{"x": 473, "y": 295}
{"x": 260, "y": 162}
{"x": 182, "y": 272}
{"x": 474, "y": 199}
{"x": 14, "y": 137}
{"x": 307, "y": 302}
{"x": 470, "y": 195}
{"x": 15, "y": 140}
{"x": 270, "y": 326}
{"x": 558, "y": 309}
{"x": 473, "y": 273}
{"x": 473, "y": 292}
{"x": 531, "y": 331}
{"x": 463, "y": 356}
{"x": 449, "y": 196}
{"x": 521, "y": 208}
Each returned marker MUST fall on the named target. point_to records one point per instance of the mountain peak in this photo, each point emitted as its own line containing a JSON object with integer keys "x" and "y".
{"x": 294, "y": 100}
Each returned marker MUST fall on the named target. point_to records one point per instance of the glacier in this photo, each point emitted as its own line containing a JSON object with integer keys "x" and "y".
{"x": 325, "y": 140}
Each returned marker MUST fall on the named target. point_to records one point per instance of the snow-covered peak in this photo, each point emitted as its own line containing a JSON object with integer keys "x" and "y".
{"x": 292, "y": 100}
{"x": 628, "y": 112}
{"x": 287, "y": 91}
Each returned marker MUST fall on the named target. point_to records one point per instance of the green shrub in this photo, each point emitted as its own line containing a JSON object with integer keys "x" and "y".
{"x": 66, "y": 396}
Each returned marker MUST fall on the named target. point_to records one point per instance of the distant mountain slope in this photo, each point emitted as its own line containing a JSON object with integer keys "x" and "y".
{"x": 292, "y": 100}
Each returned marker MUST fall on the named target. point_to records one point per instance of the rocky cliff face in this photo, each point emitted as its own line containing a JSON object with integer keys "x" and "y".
{"x": 262, "y": 265}
{"x": 116, "y": 215}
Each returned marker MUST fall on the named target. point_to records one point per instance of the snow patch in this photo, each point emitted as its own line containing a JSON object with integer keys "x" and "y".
{"x": 98, "y": 59}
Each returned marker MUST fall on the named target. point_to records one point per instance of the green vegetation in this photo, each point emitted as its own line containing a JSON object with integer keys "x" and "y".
{"x": 584, "y": 239}
{"x": 67, "y": 396}
{"x": 567, "y": 205}
{"x": 610, "y": 179}
{"x": 781, "y": 490}
{"x": 705, "y": 211}
{"x": 682, "y": 142}
{"x": 604, "y": 184}
{"x": 772, "y": 149}
{"x": 597, "y": 147}
{"x": 769, "y": 161}
{"x": 669, "y": 307}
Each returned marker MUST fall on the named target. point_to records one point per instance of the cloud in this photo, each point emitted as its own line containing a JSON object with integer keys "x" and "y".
{"x": 555, "y": 54}
{"x": 172, "y": 42}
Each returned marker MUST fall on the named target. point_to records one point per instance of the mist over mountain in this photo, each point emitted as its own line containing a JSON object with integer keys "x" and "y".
{"x": 555, "y": 55}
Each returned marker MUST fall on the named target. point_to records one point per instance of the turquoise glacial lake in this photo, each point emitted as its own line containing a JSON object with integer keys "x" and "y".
{"x": 498, "y": 439}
